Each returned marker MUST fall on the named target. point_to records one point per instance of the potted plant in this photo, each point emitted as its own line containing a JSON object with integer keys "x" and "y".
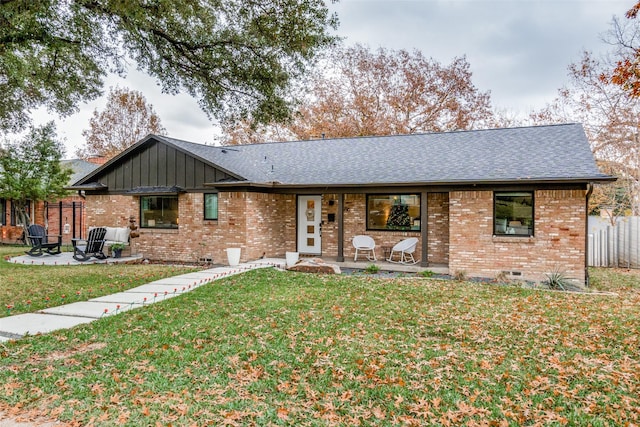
{"x": 116, "y": 249}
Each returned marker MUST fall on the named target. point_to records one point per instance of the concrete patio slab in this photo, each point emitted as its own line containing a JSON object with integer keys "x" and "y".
{"x": 39, "y": 323}
{"x": 66, "y": 258}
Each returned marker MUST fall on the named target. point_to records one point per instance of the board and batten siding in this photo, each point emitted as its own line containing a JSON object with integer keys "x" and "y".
{"x": 160, "y": 165}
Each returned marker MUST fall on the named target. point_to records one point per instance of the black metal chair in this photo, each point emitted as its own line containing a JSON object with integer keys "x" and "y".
{"x": 41, "y": 242}
{"x": 83, "y": 249}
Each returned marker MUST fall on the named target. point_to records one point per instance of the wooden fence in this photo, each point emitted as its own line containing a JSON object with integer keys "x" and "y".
{"x": 614, "y": 245}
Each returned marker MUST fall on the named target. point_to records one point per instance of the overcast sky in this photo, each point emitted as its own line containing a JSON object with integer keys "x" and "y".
{"x": 518, "y": 50}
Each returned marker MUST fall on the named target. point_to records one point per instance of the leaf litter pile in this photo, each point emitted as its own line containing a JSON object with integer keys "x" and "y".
{"x": 278, "y": 348}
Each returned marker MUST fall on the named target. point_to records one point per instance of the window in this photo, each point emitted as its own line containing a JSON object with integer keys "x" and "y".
{"x": 159, "y": 211}
{"x": 14, "y": 213}
{"x": 3, "y": 212}
{"x": 211, "y": 206}
{"x": 393, "y": 212}
{"x": 513, "y": 214}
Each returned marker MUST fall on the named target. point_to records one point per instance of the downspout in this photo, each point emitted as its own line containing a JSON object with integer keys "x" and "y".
{"x": 424, "y": 228}
{"x": 586, "y": 234}
{"x": 340, "y": 219}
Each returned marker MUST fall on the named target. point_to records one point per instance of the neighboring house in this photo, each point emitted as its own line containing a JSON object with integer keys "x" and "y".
{"x": 65, "y": 216}
{"x": 487, "y": 202}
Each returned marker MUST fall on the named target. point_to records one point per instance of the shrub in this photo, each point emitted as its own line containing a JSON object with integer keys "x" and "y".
{"x": 426, "y": 273}
{"x": 558, "y": 280}
{"x": 372, "y": 269}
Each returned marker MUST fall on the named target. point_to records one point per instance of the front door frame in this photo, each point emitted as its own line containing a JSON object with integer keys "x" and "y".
{"x": 309, "y": 224}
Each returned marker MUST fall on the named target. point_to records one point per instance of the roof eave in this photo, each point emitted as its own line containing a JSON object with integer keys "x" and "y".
{"x": 88, "y": 187}
{"x": 574, "y": 180}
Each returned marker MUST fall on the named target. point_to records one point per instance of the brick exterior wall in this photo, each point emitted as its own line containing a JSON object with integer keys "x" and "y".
{"x": 438, "y": 228}
{"x": 330, "y": 229}
{"x": 559, "y": 241}
{"x": 460, "y": 230}
{"x": 260, "y": 224}
{"x": 355, "y": 223}
{"x": 271, "y": 224}
{"x": 10, "y": 233}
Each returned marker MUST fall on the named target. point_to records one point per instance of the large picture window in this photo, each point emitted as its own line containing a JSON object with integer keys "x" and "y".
{"x": 513, "y": 213}
{"x": 393, "y": 212}
{"x": 211, "y": 206}
{"x": 159, "y": 211}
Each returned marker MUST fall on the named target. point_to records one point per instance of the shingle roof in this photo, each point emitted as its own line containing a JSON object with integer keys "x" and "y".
{"x": 79, "y": 167}
{"x": 541, "y": 153}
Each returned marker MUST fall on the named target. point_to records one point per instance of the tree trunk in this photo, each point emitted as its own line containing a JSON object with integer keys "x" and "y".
{"x": 23, "y": 219}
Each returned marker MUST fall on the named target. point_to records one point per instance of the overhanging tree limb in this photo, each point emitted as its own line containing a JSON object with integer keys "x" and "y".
{"x": 237, "y": 57}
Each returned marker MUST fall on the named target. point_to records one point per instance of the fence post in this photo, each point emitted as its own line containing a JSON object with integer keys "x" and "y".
{"x": 628, "y": 229}
{"x": 73, "y": 219}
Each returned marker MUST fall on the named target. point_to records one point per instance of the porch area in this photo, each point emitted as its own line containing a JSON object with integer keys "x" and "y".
{"x": 66, "y": 259}
{"x": 383, "y": 265}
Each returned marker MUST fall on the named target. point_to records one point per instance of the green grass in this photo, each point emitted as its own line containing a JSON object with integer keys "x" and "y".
{"x": 282, "y": 348}
{"x": 29, "y": 288}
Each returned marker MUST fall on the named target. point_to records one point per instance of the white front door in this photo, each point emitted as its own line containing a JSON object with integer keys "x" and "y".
{"x": 309, "y": 220}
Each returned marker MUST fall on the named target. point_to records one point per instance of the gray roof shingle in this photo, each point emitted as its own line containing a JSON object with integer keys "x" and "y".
{"x": 541, "y": 153}
{"x": 79, "y": 168}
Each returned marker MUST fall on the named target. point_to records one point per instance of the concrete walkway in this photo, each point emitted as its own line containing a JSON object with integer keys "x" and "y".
{"x": 77, "y": 313}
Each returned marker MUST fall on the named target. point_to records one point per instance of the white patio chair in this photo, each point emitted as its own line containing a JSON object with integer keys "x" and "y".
{"x": 404, "y": 251}
{"x": 365, "y": 244}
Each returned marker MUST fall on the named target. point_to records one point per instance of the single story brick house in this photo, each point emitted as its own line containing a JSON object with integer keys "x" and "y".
{"x": 487, "y": 202}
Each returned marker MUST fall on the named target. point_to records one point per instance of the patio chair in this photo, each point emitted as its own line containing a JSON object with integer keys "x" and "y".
{"x": 404, "y": 251}
{"x": 83, "y": 249}
{"x": 365, "y": 244}
{"x": 41, "y": 242}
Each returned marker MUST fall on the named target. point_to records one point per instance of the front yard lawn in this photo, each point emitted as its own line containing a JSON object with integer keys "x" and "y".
{"x": 29, "y": 288}
{"x": 278, "y": 348}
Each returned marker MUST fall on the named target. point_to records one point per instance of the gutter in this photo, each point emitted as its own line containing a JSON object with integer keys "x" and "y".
{"x": 516, "y": 181}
